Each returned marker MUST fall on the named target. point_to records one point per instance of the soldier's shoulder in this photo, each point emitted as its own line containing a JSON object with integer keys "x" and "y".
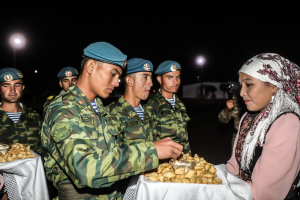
{"x": 31, "y": 112}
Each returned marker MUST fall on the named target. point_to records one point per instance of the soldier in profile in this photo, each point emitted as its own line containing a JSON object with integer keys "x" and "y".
{"x": 83, "y": 157}
{"x": 166, "y": 109}
{"x": 67, "y": 76}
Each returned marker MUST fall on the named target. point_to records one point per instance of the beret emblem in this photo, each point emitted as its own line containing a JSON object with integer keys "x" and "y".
{"x": 20, "y": 75}
{"x": 124, "y": 64}
{"x": 147, "y": 67}
{"x": 76, "y": 72}
{"x": 8, "y": 77}
{"x": 68, "y": 73}
{"x": 174, "y": 68}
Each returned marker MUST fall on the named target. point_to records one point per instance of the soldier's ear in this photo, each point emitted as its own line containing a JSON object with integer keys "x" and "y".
{"x": 159, "y": 79}
{"x": 129, "y": 81}
{"x": 90, "y": 66}
{"x": 60, "y": 83}
{"x": 23, "y": 87}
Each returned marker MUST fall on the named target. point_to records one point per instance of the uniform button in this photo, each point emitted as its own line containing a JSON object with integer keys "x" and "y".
{"x": 163, "y": 103}
{"x": 29, "y": 113}
{"x": 81, "y": 101}
{"x": 130, "y": 115}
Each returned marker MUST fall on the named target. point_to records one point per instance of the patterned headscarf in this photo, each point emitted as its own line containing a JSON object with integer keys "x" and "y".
{"x": 282, "y": 73}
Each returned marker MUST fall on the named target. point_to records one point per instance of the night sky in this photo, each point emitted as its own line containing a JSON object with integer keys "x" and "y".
{"x": 56, "y": 38}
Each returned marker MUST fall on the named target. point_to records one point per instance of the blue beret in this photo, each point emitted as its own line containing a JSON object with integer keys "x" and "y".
{"x": 67, "y": 71}
{"x": 139, "y": 65}
{"x": 9, "y": 74}
{"x": 167, "y": 66}
{"x": 105, "y": 52}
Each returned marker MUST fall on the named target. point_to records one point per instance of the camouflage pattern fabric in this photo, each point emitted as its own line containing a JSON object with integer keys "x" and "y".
{"x": 82, "y": 147}
{"x": 48, "y": 101}
{"x": 26, "y": 131}
{"x": 128, "y": 123}
{"x": 169, "y": 122}
{"x": 234, "y": 113}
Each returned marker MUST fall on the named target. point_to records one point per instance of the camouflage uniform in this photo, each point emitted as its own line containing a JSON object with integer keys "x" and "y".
{"x": 48, "y": 101}
{"x": 83, "y": 148}
{"x": 26, "y": 131}
{"x": 128, "y": 123}
{"x": 169, "y": 122}
{"x": 234, "y": 113}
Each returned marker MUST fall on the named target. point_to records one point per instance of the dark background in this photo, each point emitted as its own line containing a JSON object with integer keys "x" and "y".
{"x": 227, "y": 35}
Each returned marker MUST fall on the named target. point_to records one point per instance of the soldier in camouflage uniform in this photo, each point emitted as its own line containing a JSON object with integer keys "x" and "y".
{"x": 170, "y": 120}
{"x": 131, "y": 121}
{"x": 67, "y": 76}
{"x": 84, "y": 159}
{"x": 18, "y": 124}
{"x": 232, "y": 110}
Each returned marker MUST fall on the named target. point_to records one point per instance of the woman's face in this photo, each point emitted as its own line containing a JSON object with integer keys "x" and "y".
{"x": 256, "y": 94}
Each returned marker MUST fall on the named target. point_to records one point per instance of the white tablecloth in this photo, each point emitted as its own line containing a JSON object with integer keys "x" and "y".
{"x": 30, "y": 177}
{"x": 231, "y": 188}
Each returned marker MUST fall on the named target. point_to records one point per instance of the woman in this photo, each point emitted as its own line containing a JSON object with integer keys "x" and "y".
{"x": 266, "y": 151}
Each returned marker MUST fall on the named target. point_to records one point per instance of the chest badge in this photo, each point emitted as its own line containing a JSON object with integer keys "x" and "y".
{"x": 81, "y": 102}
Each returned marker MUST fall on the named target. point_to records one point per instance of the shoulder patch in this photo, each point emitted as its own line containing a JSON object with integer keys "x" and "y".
{"x": 50, "y": 98}
{"x": 61, "y": 131}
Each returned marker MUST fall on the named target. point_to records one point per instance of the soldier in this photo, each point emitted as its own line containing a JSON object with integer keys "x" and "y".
{"x": 67, "y": 76}
{"x": 168, "y": 112}
{"x": 83, "y": 158}
{"x": 232, "y": 110}
{"x": 130, "y": 119}
{"x": 18, "y": 124}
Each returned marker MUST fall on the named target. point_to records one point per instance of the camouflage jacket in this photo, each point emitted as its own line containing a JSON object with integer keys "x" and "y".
{"x": 83, "y": 146}
{"x": 129, "y": 125}
{"x": 48, "y": 101}
{"x": 234, "y": 113}
{"x": 26, "y": 131}
{"x": 169, "y": 122}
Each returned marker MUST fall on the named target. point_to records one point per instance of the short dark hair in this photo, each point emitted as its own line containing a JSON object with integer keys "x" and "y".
{"x": 84, "y": 61}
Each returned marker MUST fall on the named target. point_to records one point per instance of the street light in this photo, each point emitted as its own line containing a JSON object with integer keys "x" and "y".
{"x": 200, "y": 60}
{"x": 17, "y": 41}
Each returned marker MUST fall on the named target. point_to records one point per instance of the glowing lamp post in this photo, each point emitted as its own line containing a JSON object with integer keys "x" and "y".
{"x": 17, "y": 41}
{"x": 200, "y": 62}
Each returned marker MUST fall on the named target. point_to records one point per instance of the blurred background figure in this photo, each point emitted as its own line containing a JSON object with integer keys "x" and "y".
{"x": 67, "y": 76}
{"x": 233, "y": 109}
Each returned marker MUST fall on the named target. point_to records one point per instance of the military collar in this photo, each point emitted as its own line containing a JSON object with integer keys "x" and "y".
{"x": 82, "y": 99}
{"x": 174, "y": 96}
{"x": 127, "y": 108}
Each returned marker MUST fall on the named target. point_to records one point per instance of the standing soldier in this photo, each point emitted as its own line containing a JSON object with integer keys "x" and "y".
{"x": 127, "y": 114}
{"x": 18, "y": 124}
{"x": 165, "y": 107}
{"x": 67, "y": 76}
{"x": 83, "y": 158}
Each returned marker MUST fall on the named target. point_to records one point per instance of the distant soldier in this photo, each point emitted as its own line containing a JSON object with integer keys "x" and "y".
{"x": 231, "y": 111}
{"x": 165, "y": 107}
{"x": 18, "y": 124}
{"x": 67, "y": 76}
{"x": 127, "y": 114}
{"x": 83, "y": 157}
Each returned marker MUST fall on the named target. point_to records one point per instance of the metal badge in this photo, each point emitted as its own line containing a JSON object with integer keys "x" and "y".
{"x": 124, "y": 64}
{"x": 68, "y": 73}
{"x": 76, "y": 71}
{"x": 81, "y": 102}
{"x": 174, "y": 68}
{"x": 147, "y": 67}
{"x": 20, "y": 75}
{"x": 8, "y": 77}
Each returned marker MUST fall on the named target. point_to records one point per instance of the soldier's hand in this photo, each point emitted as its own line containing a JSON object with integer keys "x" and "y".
{"x": 167, "y": 148}
{"x": 230, "y": 104}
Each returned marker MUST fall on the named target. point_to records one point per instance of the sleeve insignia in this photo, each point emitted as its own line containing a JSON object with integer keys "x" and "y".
{"x": 61, "y": 131}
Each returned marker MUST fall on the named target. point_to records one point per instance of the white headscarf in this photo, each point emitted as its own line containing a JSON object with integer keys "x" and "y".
{"x": 274, "y": 69}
